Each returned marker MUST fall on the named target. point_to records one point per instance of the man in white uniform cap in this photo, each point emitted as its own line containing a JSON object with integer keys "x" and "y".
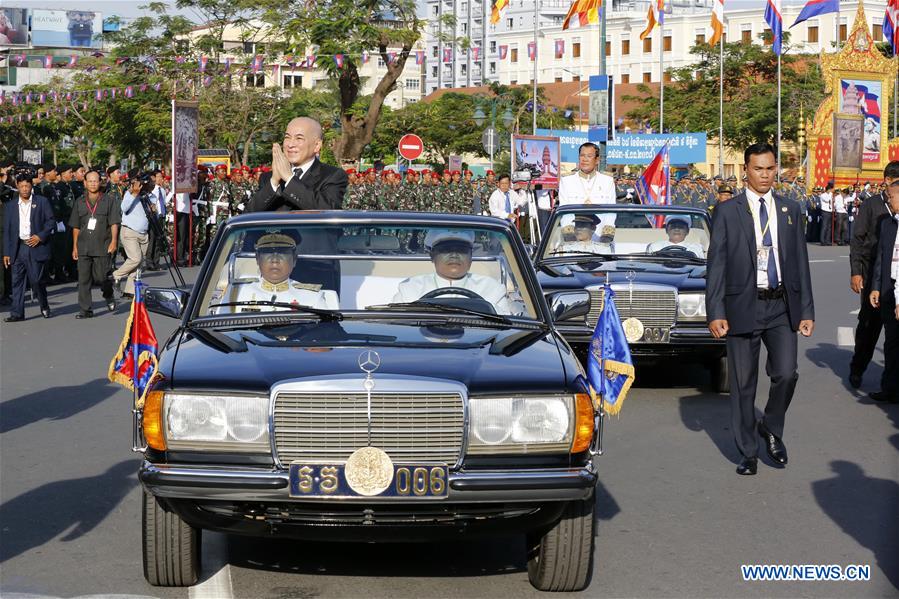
{"x": 451, "y": 254}
{"x": 276, "y": 255}
{"x": 585, "y": 238}
{"x": 677, "y": 228}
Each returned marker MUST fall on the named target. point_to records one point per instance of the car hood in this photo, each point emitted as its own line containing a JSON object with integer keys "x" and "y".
{"x": 486, "y": 360}
{"x": 578, "y": 275}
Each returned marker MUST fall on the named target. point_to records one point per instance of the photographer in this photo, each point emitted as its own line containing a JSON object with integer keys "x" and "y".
{"x": 134, "y": 237}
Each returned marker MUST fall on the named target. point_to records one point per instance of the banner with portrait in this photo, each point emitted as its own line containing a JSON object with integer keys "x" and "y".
{"x": 864, "y": 97}
{"x": 185, "y": 145}
{"x": 13, "y": 26}
{"x": 66, "y": 28}
{"x": 539, "y": 154}
{"x": 848, "y": 133}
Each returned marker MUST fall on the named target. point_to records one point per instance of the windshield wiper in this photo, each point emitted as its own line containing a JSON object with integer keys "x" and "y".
{"x": 323, "y": 314}
{"x": 431, "y": 306}
{"x": 575, "y": 253}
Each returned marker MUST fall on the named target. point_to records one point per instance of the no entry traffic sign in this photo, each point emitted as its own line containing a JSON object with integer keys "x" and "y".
{"x": 411, "y": 146}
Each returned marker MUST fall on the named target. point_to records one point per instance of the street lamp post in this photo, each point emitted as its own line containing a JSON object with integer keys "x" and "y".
{"x": 480, "y": 118}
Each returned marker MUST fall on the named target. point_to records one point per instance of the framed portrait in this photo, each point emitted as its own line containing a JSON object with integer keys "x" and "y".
{"x": 185, "y": 141}
{"x": 864, "y": 97}
{"x": 848, "y": 140}
{"x": 540, "y": 154}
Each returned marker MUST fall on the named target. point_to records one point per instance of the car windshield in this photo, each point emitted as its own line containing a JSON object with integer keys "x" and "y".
{"x": 653, "y": 231}
{"x": 327, "y": 271}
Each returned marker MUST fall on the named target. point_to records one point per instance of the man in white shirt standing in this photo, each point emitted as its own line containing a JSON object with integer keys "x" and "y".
{"x": 587, "y": 186}
{"x": 504, "y": 200}
{"x": 841, "y": 217}
{"x": 826, "y": 201}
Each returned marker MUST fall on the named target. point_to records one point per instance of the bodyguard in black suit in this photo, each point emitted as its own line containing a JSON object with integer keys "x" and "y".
{"x": 883, "y": 296}
{"x": 26, "y": 247}
{"x": 299, "y": 180}
{"x": 759, "y": 290}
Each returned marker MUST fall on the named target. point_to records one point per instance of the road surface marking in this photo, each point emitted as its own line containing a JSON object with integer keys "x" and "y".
{"x": 215, "y": 580}
{"x": 856, "y": 311}
{"x": 812, "y": 261}
{"x": 845, "y": 337}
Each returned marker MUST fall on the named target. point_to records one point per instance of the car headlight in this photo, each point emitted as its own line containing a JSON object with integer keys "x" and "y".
{"x": 214, "y": 422}
{"x": 520, "y": 424}
{"x": 691, "y": 307}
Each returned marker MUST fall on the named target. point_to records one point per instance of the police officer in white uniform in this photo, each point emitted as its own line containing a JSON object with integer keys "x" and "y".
{"x": 451, "y": 254}
{"x": 677, "y": 228}
{"x": 276, "y": 255}
{"x": 587, "y": 186}
{"x": 585, "y": 238}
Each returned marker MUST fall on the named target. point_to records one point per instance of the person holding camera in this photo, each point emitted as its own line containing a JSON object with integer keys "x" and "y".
{"x": 135, "y": 236}
{"x": 587, "y": 186}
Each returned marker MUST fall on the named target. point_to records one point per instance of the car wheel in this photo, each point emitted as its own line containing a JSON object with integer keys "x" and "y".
{"x": 720, "y": 375}
{"x": 561, "y": 559}
{"x": 171, "y": 546}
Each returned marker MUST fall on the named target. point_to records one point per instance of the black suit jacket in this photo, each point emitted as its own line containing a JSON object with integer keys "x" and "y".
{"x": 322, "y": 188}
{"x": 863, "y": 245}
{"x": 731, "y": 290}
{"x": 43, "y": 224}
{"x": 883, "y": 279}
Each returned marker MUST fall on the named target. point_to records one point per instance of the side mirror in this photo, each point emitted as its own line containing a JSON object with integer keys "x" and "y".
{"x": 168, "y": 302}
{"x": 568, "y": 305}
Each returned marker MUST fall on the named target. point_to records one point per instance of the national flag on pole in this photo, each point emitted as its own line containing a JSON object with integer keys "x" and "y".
{"x": 475, "y": 53}
{"x": 73, "y": 60}
{"x": 717, "y": 22}
{"x": 178, "y": 60}
{"x": 48, "y": 61}
{"x": 202, "y": 62}
{"x": 587, "y": 12}
{"x": 256, "y": 65}
{"x": 365, "y": 57}
{"x": 338, "y": 61}
{"x": 560, "y": 48}
{"x": 227, "y": 68}
{"x": 610, "y": 369}
{"x": 21, "y": 59}
{"x": 419, "y": 57}
{"x": 532, "y": 50}
{"x": 135, "y": 362}
{"x": 310, "y": 61}
{"x": 775, "y": 23}
{"x": 98, "y": 95}
{"x": 391, "y": 57}
{"x": 891, "y": 25}
{"x": 503, "y": 51}
{"x": 447, "y": 55}
{"x": 498, "y": 7}
{"x": 129, "y": 91}
{"x": 816, "y": 8}
{"x": 654, "y": 16}
{"x": 653, "y": 185}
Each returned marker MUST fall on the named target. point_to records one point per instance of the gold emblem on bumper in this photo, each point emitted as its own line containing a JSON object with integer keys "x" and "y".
{"x": 369, "y": 471}
{"x": 633, "y": 329}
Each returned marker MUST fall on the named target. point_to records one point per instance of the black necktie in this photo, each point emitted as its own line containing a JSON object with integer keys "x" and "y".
{"x": 773, "y": 279}
{"x": 297, "y": 172}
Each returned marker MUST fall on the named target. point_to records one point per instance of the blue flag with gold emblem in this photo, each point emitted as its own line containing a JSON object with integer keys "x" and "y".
{"x": 134, "y": 364}
{"x": 610, "y": 369}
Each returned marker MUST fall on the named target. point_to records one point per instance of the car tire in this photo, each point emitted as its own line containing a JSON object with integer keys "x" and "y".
{"x": 720, "y": 375}
{"x": 171, "y": 547}
{"x": 561, "y": 559}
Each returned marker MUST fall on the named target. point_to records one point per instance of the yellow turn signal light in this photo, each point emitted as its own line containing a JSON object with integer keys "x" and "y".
{"x": 152, "y": 422}
{"x": 583, "y": 424}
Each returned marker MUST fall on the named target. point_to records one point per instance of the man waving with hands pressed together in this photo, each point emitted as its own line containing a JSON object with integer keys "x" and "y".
{"x": 759, "y": 290}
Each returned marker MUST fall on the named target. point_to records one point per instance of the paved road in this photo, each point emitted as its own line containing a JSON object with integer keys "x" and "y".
{"x": 674, "y": 519}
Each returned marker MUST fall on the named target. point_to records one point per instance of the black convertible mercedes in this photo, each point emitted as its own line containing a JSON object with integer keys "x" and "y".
{"x": 369, "y": 376}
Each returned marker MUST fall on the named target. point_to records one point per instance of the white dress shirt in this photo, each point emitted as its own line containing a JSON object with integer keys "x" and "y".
{"x": 158, "y": 194}
{"x": 825, "y": 200}
{"x": 761, "y": 276}
{"x": 25, "y": 218}
{"x": 595, "y": 189}
{"x": 182, "y": 202}
{"x": 497, "y": 202}
{"x": 490, "y": 289}
{"x": 839, "y": 204}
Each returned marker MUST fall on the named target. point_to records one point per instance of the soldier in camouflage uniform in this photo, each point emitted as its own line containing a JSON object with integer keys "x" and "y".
{"x": 219, "y": 201}
{"x": 241, "y": 191}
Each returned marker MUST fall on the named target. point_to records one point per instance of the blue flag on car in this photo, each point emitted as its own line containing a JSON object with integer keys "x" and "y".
{"x": 610, "y": 369}
{"x": 135, "y": 363}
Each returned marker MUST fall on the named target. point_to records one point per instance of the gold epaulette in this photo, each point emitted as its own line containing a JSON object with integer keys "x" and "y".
{"x": 307, "y": 286}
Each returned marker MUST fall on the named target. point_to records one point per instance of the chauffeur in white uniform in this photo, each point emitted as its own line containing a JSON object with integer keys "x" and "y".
{"x": 585, "y": 239}
{"x": 451, "y": 254}
{"x": 677, "y": 228}
{"x": 587, "y": 186}
{"x": 276, "y": 255}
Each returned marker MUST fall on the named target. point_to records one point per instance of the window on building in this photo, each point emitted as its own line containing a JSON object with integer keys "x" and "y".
{"x": 493, "y": 68}
{"x": 666, "y": 43}
{"x": 842, "y": 32}
{"x": 433, "y": 89}
{"x": 465, "y": 8}
{"x": 812, "y": 34}
{"x": 700, "y": 39}
{"x": 626, "y": 78}
{"x": 249, "y": 48}
{"x": 510, "y": 23}
{"x": 557, "y": 20}
{"x": 436, "y": 10}
{"x": 182, "y": 46}
{"x": 558, "y": 80}
{"x": 575, "y": 77}
{"x": 434, "y": 52}
{"x": 608, "y": 48}
{"x": 291, "y": 80}
{"x": 255, "y": 80}
{"x": 767, "y": 37}
{"x": 647, "y": 45}
{"x": 464, "y": 27}
{"x": 625, "y": 47}
{"x": 464, "y": 69}
{"x": 746, "y": 36}
{"x": 647, "y": 77}
{"x": 667, "y": 77}
{"x": 514, "y": 53}
{"x": 434, "y": 71}
{"x": 413, "y": 84}
{"x": 513, "y": 82}
{"x": 381, "y": 63}
{"x": 576, "y": 49}
{"x": 878, "y": 33}
{"x": 493, "y": 46}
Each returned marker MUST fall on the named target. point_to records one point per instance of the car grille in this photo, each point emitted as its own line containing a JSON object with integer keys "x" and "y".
{"x": 328, "y": 427}
{"x": 653, "y": 308}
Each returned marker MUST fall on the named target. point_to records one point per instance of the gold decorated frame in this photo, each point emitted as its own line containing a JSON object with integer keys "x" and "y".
{"x": 838, "y": 163}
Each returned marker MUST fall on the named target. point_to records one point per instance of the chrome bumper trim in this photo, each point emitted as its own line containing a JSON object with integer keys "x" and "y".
{"x": 186, "y": 482}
